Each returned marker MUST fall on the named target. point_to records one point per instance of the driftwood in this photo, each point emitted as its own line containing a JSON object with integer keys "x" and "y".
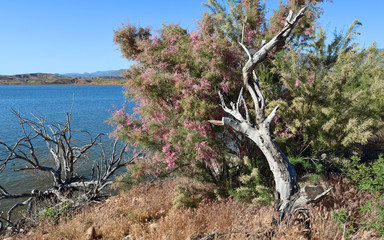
{"x": 289, "y": 198}
{"x": 64, "y": 154}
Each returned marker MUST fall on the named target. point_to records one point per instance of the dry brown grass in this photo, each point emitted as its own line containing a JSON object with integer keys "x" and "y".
{"x": 145, "y": 212}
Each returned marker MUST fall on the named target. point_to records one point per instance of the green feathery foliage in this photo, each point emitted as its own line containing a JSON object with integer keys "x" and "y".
{"x": 331, "y": 95}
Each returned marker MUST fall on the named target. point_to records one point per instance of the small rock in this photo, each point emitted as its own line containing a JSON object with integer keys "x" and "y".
{"x": 312, "y": 192}
{"x": 90, "y": 234}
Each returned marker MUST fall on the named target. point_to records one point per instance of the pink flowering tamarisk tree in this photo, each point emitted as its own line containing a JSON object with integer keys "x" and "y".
{"x": 289, "y": 200}
{"x": 172, "y": 83}
{"x": 174, "y": 80}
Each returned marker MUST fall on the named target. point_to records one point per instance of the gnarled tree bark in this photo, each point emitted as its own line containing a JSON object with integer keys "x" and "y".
{"x": 289, "y": 198}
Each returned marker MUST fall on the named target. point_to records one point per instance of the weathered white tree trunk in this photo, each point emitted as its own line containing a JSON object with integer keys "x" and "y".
{"x": 288, "y": 197}
{"x": 283, "y": 172}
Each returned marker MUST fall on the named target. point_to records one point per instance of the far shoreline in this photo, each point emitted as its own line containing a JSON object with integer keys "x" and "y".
{"x": 54, "y": 79}
{"x": 110, "y": 83}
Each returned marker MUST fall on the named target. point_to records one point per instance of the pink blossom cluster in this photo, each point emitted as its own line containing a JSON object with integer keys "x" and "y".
{"x": 202, "y": 128}
{"x": 174, "y": 83}
{"x": 206, "y": 153}
{"x": 170, "y": 157}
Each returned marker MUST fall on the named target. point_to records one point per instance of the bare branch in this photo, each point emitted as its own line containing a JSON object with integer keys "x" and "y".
{"x": 3, "y": 191}
{"x": 271, "y": 116}
{"x": 216, "y": 122}
{"x": 247, "y": 119}
{"x": 261, "y": 100}
{"x": 243, "y": 30}
{"x": 289, "y": 18}
{"x": 59, "y": 142}
{"x": 278, "y": 39}
{"x": 246, "y": 50}
{"x": 263, "y": 42}
{"x": 16, "y": 196}
{"x": 320, "y": 196}
{"x": 235, "y": 108}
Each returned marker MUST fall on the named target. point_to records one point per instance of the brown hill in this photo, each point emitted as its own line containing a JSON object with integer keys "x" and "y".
{"x": 38, "y": 78}
{"x": 47, "y": 78}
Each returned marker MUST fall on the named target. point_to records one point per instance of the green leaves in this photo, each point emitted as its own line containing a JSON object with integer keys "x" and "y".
{"x": 370, "y": 177}
{"x": 332, "y": 95}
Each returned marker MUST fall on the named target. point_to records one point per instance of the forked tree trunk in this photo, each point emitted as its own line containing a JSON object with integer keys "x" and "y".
{"x": 284, "y": 173}
{"x": 289, "y": 198}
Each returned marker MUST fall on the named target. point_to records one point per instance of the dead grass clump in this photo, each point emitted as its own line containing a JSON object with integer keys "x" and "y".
{"x": 116, "y": 218}
{"x": 344, "y": 195}
{"x": 217, "y": 218}
{"x": 146, "y": 212}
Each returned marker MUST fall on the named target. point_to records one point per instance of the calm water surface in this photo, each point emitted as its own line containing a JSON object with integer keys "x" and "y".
{"x": 92, "y": 107}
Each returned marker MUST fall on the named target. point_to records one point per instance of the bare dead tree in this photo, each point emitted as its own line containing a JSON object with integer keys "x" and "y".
{"x": 289, "y": 198}
{"x": 64, "y": 154}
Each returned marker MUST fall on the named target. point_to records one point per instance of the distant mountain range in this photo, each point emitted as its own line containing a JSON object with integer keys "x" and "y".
{"x": 101, "y": 77}
{"x": 111, "y": 73}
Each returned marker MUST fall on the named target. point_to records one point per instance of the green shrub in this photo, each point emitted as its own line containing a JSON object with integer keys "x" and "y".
{"x": 185, "y": 197}
{"x": 330, "y": 95}
{"x": 344, "y": 220}
{"x": 306, "y": 165}
{"x": 370, "y": 177}
{"x": 250, "y": 187}
{"x": 54, "y": 213}
{"x": 137, "y": 173}
{"x": 376, "y": 209}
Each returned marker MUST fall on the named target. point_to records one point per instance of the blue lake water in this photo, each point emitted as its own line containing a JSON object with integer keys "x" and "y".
{"x": 92, "y": 107}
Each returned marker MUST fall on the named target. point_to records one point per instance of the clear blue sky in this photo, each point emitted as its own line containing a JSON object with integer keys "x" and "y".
{"x": 66, "y": 36}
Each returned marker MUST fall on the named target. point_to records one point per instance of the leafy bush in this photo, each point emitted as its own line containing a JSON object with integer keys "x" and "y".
{"x": 304, "y": 165}
{"x": 140, "y": 172}
{"x": 54, "y": 213}
{"x": 344, "y": 222}
{"x": 185, "y": 197}
{"x": 330, "y": 95}
{"x": 370, "y": 177}
{"x": 250, "y": 186}
{"x": 376, "y": 209}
